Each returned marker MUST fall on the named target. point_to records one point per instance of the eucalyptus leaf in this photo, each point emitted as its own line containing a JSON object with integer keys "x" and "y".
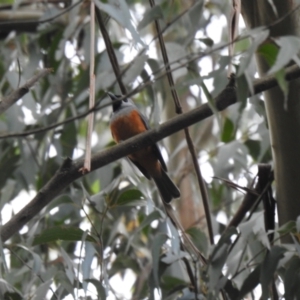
{"x": 100, "y": 289}
{"x": 130, "y": 197}
{"x": 268, "y": 268}
{"x": 289, "y": 47}
{"x": 87, "y": 262}
{"x": 291, "y": 278}
{"x": 159, "y": 240}
{"x": 250, "y": 282}
{"x": 42, "y": 290}
{"x": 150, "y": 15}
{"x": 258, "y": 38}
{"x": 61, "y": 233}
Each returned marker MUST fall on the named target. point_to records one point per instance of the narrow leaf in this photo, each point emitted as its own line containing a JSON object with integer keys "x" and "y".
{"x": 268, "y": 268}
{"x": 250, "y": 282}
{"x": 152, "y": 14}
{"x": 100, "y": 289}
{"x": 253, "y": 147}
{"x": 291, "y": 278}
{"x": 129, "y": 196}
{"x": 199, "y": 239}
{"x": 61, "y": 233}
{"x": 228, "y": 131}
{"x": 289, "y": 47}
{"x": 159, "y": 240}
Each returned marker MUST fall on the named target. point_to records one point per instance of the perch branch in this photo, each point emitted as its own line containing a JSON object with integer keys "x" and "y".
{"x": 69, "y": 171}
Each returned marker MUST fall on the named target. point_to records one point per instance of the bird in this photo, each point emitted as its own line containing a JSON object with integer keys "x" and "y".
{"x": 127, "y": 121}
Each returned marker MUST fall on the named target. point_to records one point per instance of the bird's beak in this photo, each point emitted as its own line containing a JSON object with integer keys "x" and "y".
{"x": 112, "y": 96}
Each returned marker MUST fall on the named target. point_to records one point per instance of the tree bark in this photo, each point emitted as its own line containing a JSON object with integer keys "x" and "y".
{"x": 284, "y": 124}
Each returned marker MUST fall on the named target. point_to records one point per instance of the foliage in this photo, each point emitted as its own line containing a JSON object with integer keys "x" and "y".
{"x": 107, "y": 235}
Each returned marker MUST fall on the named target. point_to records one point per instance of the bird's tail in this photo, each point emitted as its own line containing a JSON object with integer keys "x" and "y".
{"x": 167, "y": 188}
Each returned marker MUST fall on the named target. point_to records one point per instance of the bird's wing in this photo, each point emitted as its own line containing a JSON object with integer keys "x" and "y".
{"x": 154, "y": 146}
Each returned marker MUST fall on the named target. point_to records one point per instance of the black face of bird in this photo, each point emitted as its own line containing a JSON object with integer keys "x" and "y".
{"x": 116, "y": 102}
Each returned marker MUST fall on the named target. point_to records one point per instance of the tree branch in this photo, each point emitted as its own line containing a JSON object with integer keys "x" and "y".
{"x": 23, "y": 25}
{"x": 69, "y": 171}
{"x": 11, "y": 99}
{"x": 110, "y": 51}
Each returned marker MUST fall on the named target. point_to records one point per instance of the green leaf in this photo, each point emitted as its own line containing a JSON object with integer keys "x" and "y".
{"x": 67, "y": 287}
{"x": 43, "y": 289}
{"x": 199, "y": 239}
{"x": 135, "y": 69}
{"x": 69, "y": 138}
{"x": 242, "y": 45}
{"x": 37, "y": 259}
{"x": 123, "y": 262}
{"x": 289, "y": 48}
{"x": 158, "y": 241}
{"x": 254, "y": 148}
{"x": 87, "y": 262}
{"x": 130, "y": 197}
{"x": 278, "y": 59}
{"x": 291, "y": 278}
{"x": 9, "y": 158}
{"x": 152, "y": 14}
{"x": 216, "y": 193}
{"x": 207, "y": 41}
{"x": 170, "y": 283}
{"x": 61, "y": 233}
{"x": 268, "y": 268}
{"x": 95, "y": 187}
{"x": 289, "y": 227}
{"x": 250, "y": 282}
{"x": 283, "y": 84}
{"x": 155, "y": 215}
{"x": 228, "y": 131}
{"x": 269, "y": 51}
{"x": 218, "y": 258}
{"x": 12, "y": 296}
{"x": 100, "y": 289}
{"x": 258, "y": 38}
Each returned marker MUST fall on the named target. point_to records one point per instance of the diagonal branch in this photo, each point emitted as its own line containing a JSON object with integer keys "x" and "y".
{"x": 12, "y": 98}
{"x": 110, "y": 51}
{"x": 69, "y": 171}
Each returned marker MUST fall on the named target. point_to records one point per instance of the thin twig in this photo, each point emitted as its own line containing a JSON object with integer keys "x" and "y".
{"x": 191, "y": 147}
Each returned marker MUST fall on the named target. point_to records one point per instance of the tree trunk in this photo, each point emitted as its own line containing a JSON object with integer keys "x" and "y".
{"x": 284, "y": 124}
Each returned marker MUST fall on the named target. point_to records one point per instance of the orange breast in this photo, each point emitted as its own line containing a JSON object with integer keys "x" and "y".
{"x": 127, "y": 126}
